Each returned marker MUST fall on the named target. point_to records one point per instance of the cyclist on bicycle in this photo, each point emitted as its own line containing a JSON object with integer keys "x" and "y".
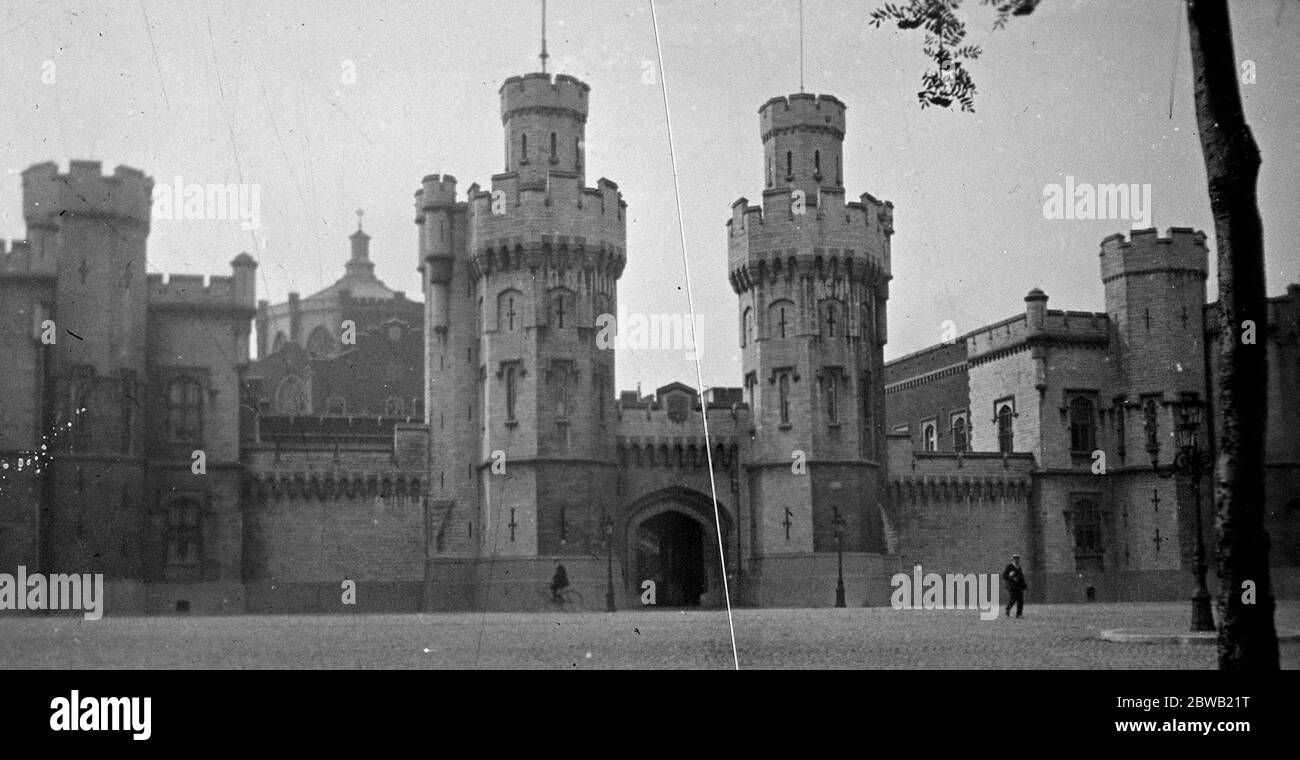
{"x": 559, "y": 582}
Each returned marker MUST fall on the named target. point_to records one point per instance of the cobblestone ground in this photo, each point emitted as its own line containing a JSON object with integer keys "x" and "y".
{"x": 1048, "y": 637}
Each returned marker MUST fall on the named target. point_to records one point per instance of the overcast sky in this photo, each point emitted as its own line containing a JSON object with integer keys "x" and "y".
{"x": 253, "y": 92}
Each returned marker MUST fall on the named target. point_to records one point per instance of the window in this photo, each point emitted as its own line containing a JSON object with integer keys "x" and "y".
{"x": 751, "y": 390}
{"x": 960, "y": 432}
{"x": 868, "y": 425}
{"x": 129, "y": 399}
{"x": 508, "y": 316}
{"x": 602, "y": 390}
{"x": 394, "y": 407}
{"x": 781, "y": 316}
{"x": 1006, "y": 438}
{"x": 747, "y": 327}
{"x": 185, "y": 409}
{"x": 1086, "y": 514}
{"x": 789, "y": 164}
{"x": 577, "y": 153}
{"x": 336, "y": 405}
{"x": 555, "y": 154}
{"x": 830, "y": 319}
{"x": 831, "y": 389}
{"x": 930, "y": 435}
{"x": 783, "y": 395}
{"x": 817, "y": 162}
{"x": 1083, "y": 425}
{"x": 560, "y": 310}
{"x": 320, "y": 343}
{"x": 184, "y": 540}
{"x": 512, "y": 391}
{"x": 291, "y": 396}
{"x": 1150, "y": 423}
{"x": 278, "y": 343}
{"x": 523, "y": 149}
{"x": 561, "y": 375}
{"x": 1120, "y": 414}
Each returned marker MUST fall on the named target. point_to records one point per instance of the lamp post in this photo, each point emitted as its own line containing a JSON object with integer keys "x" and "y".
{"x": 1192, "y": 463}
{"x": 839, "y": 537}
{"x": 609, "y": 552}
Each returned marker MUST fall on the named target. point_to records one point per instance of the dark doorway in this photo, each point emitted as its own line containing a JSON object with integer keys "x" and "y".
{"x": 670, "y": 552}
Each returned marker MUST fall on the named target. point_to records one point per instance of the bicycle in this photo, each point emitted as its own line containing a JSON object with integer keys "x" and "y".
{"x": 569, "y": 598}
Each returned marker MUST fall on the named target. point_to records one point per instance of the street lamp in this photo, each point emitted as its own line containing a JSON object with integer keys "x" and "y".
{"x": 839, "y": 537}
{"x": 1192, "y": 463}
{"x": 609, "y": 551}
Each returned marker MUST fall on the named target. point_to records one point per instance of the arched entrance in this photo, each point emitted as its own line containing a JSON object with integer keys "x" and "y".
{"x": 672, "y": 541}
{"x": 670, "y": 551}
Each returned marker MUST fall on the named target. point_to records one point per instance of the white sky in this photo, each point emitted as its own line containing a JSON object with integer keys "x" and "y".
{"x": 252, "y": 92}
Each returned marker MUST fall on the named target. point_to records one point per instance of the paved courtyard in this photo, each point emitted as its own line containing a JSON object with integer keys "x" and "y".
{"x": 1050, "y": 637}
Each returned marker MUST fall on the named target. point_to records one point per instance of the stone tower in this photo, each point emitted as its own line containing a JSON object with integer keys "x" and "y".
{"x": 812, "y": 275}
{"x": 95, "y": 515}
{"x": 515, "y": 280}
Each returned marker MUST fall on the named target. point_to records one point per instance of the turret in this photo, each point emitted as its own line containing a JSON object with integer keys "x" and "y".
{"x": 1155, "y": 291}
{"x": 544, "y": 121}
{"x": 803, "y": 139}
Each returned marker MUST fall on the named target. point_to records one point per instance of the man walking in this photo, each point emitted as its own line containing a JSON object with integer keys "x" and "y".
{"x": 559, "y": 582}
{"x": 1015, "y": 578}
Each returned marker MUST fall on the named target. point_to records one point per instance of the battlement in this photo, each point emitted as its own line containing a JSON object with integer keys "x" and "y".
{"x": 541, "y": 91}
{"x": 829, "y": 229}
{"x": 436, "y": 190}
{"x": 193, "y": 291}
{"x": 50, "y": 197}
{"x": 17, "y": 259}
{"x": 802, "y": 110}
{"x": 1144, "y": 252}
{"x": 563, "y": 211}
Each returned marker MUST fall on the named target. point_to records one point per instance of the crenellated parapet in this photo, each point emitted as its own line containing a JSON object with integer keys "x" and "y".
{"x": 561, "y": 227}
{"x": 802, "y": 111}
{"x": 19, "y": 259}
{"x": 235, "y": 293}
{"x": 540, "y": 92}
{"x": 829, "y": 239}
{"x": 49, "y": 198}
{"x": 1145, "y": 252}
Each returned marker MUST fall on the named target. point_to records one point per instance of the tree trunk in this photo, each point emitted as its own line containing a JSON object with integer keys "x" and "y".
{"x": 1247, "y": 639}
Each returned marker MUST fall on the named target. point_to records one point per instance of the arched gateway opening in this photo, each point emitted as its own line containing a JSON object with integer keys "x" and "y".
{"x": 672, "y": 542}
{"x": 670, "y": 551}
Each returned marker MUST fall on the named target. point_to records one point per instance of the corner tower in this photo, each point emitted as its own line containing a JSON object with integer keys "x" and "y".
{"x": 520, "y": 397}
{"x": 812, "y": 275}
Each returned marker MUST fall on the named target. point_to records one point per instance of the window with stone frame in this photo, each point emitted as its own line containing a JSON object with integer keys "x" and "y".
{"x": 783, "y": 396}
{"x": 1082, "y": 414}
{"x": 291, "y": 396}
{"x": 509, "y": 374}
{"x": 183, "y": 537}
{"x": 751, "y": 390}
{"x": 1121, "y": 415}
{"x": 781, "y": 319}
{"x": 509, "y": 310}
{"x": 320, "y": 343}
{"x": 1151, "y": 422}
{"x": 185, "y": 409}
{"x": 1004, "y": 418}
{"x": 832, "y": 318}
{"x": 930, "y": 435}
{"x": 959, "y": 422}
{"x": 562, "y": 375}
{"x": 868, "y": 429}
{"x": 832, "y": 382}
{"x": 394, "y": 407}
{"x": 1088, "y": 524}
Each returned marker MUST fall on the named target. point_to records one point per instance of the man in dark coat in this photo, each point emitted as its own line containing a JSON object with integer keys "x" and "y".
{"x": 559, "y": 582}
{"x": 1015, "y": 578}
